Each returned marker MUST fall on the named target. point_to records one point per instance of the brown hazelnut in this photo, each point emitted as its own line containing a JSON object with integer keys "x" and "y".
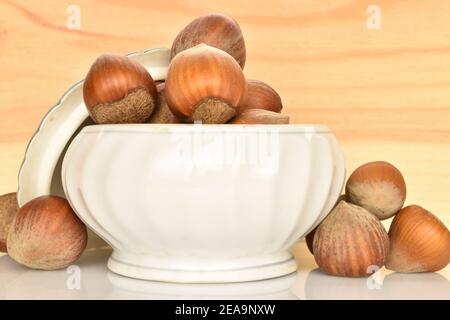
{"x": 118, "y": 89}
{"x": 420, "y": 242}
{"x": 46, "y": 234}
{"x": 216, "y": 30}
{"x": 8, "y": 210}
{"x": 162, "y": 113}
{"x": 260, "y": 96}
{"x": 350, "y": 241}
{"x": 378, "y": 187}
{"x": 310, "y": 236}
{"x": 260, "y": 116}
{"x": 204, "y": 84}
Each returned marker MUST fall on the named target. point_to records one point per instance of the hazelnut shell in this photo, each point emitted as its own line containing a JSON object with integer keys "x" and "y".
{"x": 204, "y": 84}
{"x": 216, "y": 30}
{"x": 260, "y": 116}
{"x": 260, "y": 96}
{"x": 420, "y": 242}
{"x": 118, "y": 89}
{"x": 46, "y": 234}
{"x": 162, "y": 113}
{"x": 310, "y": 236}
{"x": 8, "y": 210}
{"x": 350, "y": 241}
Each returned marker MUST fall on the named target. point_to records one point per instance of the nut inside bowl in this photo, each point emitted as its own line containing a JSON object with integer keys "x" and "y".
{"x": 202, "y": 203}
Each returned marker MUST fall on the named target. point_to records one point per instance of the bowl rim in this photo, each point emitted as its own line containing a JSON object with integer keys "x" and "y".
{"x": 189, "y": 127}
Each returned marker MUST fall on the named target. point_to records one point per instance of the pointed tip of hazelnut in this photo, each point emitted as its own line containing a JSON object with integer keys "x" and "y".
{"x": 260, "y": 95}
{"x": 214, "y": 29}
{"x": 350, "y": 242}
{"x": 420, "y": 242}
{"x": 310, "y": 236}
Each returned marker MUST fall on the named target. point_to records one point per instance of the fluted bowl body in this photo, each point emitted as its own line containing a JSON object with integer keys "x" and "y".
{"x": 203, "y": 203}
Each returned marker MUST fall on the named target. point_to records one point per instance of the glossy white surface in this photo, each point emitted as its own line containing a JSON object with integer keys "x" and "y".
{"x": 96, "y": 282}
{"x": 211, "y": 203}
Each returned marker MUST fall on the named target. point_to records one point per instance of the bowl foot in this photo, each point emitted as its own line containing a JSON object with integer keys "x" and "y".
{"x": 241, "y": 270}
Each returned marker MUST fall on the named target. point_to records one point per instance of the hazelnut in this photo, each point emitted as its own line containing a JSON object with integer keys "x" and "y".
{"x": 260, "y": 96}
{"x": 216, "y": 30}
{"x": 310, "y": 236}
{"x": 119, "y": 90}
{"x": 420, "y": 242}
{"x": 46, "y": 234}
{"x": 260, "y": 116}
{"x": 378, "y": 187}
{"x": 162, "y": 113}
{"x": 204, "y": 84}
{"x": 8, "y": 210}
{"x": 349, "y": 241}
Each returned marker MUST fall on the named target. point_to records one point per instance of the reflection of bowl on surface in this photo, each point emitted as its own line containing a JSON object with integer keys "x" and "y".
{"x": 272, "y": 289}
{"x": 211, "y": 203}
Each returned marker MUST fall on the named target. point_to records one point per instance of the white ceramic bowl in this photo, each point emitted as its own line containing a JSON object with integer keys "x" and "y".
{"x": 202, "y": 203}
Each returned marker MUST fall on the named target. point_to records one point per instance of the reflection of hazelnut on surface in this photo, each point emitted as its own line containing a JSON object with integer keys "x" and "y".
{"x": 216, "y": 30}
{"x": 204, "y": 84}
{"x": 260, "y": 96}
{"x": 378, "y": 187}
{"x": 162, "y": 113}
{"x": 46, "y": 234}
{"x": 8, "y": 210}
{"x": 260, "y": 116}
{"x": 420, "y": 242}
{"x": 118, "y": 89}
{"x": 350, "y": 242}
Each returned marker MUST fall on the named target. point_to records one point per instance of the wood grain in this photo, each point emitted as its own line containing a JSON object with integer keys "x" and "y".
{"x": 385, "y": 93}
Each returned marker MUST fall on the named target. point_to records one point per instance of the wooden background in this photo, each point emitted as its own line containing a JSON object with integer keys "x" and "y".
{"x": 385, "y": 93}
